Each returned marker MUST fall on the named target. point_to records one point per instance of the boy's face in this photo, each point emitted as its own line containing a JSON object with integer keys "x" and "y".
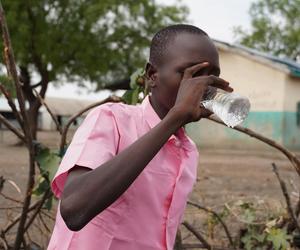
{"x": 186, "y": 50}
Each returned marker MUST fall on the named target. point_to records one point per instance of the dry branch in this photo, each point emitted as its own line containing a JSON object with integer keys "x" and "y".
{"x": 18, "y": 217}
{"x": 292, "y": 157}
{"x": 42, "y": 101}
{"x": 46, "y": 195}
{"x": 287, "y": 197}
{"x": 70, "y": 121}
{"x": 12, "y": 128}
{"x": 197, "y": 235}
{"x": 218, "y": 218}
{"x": 10, "y": 198}
{"x": 12, "y": 71}
{"x": 12, "y": 106}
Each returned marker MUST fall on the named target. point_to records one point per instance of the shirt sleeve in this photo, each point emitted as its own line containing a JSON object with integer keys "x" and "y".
{"x": 94, "y": 143}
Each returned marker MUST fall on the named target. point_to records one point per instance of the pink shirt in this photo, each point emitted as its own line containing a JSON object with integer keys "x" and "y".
{"x": 147, "y": 215}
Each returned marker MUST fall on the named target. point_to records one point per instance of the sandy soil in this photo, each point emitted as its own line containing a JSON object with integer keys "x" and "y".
{"x": 224, "y": 176}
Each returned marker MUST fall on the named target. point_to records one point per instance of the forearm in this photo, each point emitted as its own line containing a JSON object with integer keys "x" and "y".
{"x": 107, "y": 182}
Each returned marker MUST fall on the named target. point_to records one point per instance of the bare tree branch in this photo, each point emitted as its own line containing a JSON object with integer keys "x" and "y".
{"x": 197, "y": 234}
{"x": 44, "y": 223}
{"x": 12, "y": 105}
{"x": 36, "y": 85}
{"x": 46, "y": 195}
{"x": 12, "y": 128}
{"x": 201, "y": 246}
{"x": 286, "y": 196}
{"x": 42, "y": 101}
{"x": 10, "y": 198}
{"x": 18, "y": 217}
{"x": 12, "y": 70}
{"x": 4, "y": 243}
{"x": 297, "y": 209}
{"x": 292, "y": 157}
{"x": 70, "y": 121}
{"x": 218, "y": 218}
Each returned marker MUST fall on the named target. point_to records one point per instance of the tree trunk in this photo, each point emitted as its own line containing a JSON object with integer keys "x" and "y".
{"x": 33, "y": 113}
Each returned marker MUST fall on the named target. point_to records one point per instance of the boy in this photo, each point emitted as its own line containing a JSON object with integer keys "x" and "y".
{"x": 125, "y": 178}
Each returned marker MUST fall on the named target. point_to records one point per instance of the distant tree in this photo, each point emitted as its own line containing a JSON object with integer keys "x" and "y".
{"x": 81, "y": 40}
{"x": 275, "y": 28}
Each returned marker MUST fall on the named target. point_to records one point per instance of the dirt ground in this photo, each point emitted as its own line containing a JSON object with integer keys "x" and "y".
{"x": 224, "y": 176}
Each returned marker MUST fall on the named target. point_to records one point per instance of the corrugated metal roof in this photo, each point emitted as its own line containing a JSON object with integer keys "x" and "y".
{"x": 292, "y": 66}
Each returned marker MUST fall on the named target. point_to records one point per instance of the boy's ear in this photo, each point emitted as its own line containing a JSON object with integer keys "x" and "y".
{"x": 151, "y": 74}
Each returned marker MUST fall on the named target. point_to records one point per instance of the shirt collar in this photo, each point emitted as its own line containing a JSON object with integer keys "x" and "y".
{"x": 153, "y": 119}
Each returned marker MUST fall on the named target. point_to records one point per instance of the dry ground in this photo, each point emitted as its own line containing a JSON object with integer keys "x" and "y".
{"x": 225, "y": 175}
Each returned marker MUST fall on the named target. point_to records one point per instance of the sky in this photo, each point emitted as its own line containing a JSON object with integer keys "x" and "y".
{"x": 215, "y": 17}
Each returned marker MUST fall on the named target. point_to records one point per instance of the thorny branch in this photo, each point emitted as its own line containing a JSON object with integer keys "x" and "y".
{"x": 218, "y": 218}
{"x": 286, "y": 196}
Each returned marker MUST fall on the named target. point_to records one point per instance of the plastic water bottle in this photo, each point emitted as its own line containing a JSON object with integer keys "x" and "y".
{"x": 231, "y": 108}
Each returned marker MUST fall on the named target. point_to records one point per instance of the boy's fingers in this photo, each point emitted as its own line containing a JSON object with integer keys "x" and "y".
{"x": 219, "y": 83}
{"x": 190, "y": 71}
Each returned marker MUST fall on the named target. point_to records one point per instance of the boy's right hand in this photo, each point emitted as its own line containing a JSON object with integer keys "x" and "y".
{"x": 191, "y": 91}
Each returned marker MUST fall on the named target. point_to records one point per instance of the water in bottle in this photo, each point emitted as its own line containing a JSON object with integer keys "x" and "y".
{"x": 231, "y": 108}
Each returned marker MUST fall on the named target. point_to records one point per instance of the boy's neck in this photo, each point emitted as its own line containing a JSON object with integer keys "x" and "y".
{"x": 159, "y": 110}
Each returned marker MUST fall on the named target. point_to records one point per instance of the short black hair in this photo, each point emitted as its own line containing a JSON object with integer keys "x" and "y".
{"x": 162, "y": 38}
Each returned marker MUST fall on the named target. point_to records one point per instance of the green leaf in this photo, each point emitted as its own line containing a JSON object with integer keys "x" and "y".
{"x": 48, "y": 163}
{"x": 275, "y": 28}
{"x": 8, "y": 84}
{"x": 135, "y": 76}
{"x": 279, "y": 238}
{"x": 41, "y": 187}
{"x": 248, "y": 242}
{"x": 48, "y": 203}
{"x": 248, "y": 216}
{"x": 127, "y": 96}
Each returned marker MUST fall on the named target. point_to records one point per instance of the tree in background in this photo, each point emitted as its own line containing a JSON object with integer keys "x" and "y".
{"x": 81, "y": 40}
{"x": 275, "y": 28}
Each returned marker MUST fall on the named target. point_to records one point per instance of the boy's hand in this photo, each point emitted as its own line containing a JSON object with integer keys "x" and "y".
{"x": 191, "y": 91}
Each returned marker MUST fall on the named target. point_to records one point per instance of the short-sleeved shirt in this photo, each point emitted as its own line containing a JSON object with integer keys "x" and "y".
{"x": 146, "y": 216}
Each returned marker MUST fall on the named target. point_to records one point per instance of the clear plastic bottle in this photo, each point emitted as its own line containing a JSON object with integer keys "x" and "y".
{"x": 231, "y": 108}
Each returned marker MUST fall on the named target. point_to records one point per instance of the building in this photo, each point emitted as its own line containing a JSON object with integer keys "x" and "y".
{"x": 62, "y": 108}
{"x": 272, "y": 84}
{"x": 273, "y": 87}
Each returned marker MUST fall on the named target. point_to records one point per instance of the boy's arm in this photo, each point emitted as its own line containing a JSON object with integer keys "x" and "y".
{"x": 90, "y": 192}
